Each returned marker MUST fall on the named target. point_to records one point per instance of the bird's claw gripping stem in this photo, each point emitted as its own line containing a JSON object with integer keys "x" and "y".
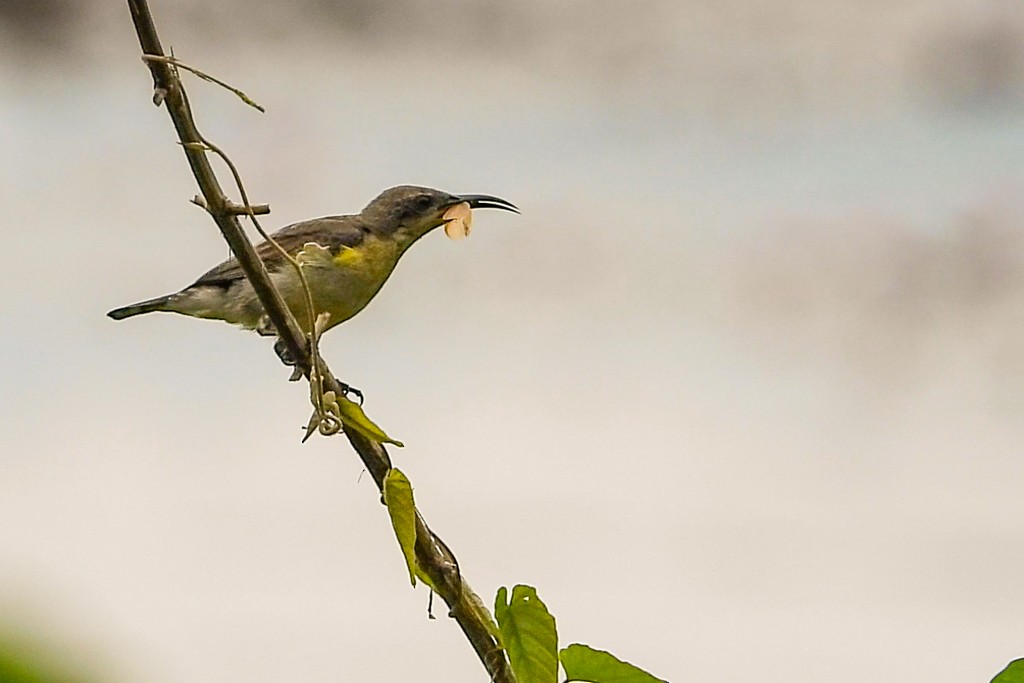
{"x": 349, "y": 390}
{"x": 285, "y": 355}
{"x": 282, "y": 351}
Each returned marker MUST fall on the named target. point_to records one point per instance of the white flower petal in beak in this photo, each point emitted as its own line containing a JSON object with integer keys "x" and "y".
{"x": 459, "y": 219}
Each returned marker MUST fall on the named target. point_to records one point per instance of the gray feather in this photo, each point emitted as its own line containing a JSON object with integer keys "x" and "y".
{"x": 331, "y": 232}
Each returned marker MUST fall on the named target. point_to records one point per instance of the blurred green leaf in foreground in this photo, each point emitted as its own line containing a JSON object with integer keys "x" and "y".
{"x": 1013, "y": 673}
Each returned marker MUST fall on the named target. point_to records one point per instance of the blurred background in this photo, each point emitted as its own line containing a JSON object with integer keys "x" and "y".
{"x": 741, "y": 392}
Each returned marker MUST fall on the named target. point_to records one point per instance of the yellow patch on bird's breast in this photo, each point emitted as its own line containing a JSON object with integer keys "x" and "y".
{"x": 348, "y": 256}
{"x": 373, "y": 255}
{"x": 343, "y": 282}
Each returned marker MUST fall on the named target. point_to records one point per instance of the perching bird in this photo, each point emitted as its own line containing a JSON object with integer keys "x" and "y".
{"x": 361, "y": 252}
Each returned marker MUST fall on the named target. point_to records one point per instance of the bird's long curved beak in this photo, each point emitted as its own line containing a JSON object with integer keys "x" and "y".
{"x": 486, "y": 201}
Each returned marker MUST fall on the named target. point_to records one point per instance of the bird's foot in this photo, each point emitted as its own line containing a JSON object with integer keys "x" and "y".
{"x": 348, "y": 390}
{"x": 284, "y": 353}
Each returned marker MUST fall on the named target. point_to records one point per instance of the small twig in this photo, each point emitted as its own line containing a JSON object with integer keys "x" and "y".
{"x": 246, "y": 210}
{"x": 234, "y": 209}
{"x": 178, "y": 64}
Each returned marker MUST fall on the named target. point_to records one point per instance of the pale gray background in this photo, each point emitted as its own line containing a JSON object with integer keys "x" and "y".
{"x": 740, "y": 392}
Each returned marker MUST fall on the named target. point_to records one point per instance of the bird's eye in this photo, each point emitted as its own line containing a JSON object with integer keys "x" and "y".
{"x": 423, "y": 201}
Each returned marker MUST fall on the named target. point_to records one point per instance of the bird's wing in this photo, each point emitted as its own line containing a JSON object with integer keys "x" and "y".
{"x": 331, "y": 232}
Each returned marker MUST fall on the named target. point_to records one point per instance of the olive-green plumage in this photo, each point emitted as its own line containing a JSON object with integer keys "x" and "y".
{"x": 362, "y": 250}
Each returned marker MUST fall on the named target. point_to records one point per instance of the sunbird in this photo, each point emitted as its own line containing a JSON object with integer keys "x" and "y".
{"x": 357, "y": 255}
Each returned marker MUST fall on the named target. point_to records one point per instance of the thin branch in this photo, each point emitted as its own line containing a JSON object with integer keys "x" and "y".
{"x": 177, "y": 63}
{"x": 433, "y": 556}
{"x": 236, "y": 209}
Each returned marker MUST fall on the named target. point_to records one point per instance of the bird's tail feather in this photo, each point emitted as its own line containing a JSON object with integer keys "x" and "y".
{"x": 158, "y": 304}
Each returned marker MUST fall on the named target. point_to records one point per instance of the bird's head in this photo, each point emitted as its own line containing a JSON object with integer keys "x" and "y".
{"x": 407, "y": 212}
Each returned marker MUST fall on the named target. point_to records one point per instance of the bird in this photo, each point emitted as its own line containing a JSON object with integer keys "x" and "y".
{"x": 353, "y": 258}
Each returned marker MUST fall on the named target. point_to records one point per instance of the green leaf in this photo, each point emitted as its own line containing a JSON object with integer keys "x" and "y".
{"x": 353, "y": 417}
{"x": 349, "y": 413}
{"x": 398, "y": 498}
{"x": 1013, "y": 673}
{"x": 26, "y": 659}
{"x": 584, "y": 663}
{"x": 528, "y": 635}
